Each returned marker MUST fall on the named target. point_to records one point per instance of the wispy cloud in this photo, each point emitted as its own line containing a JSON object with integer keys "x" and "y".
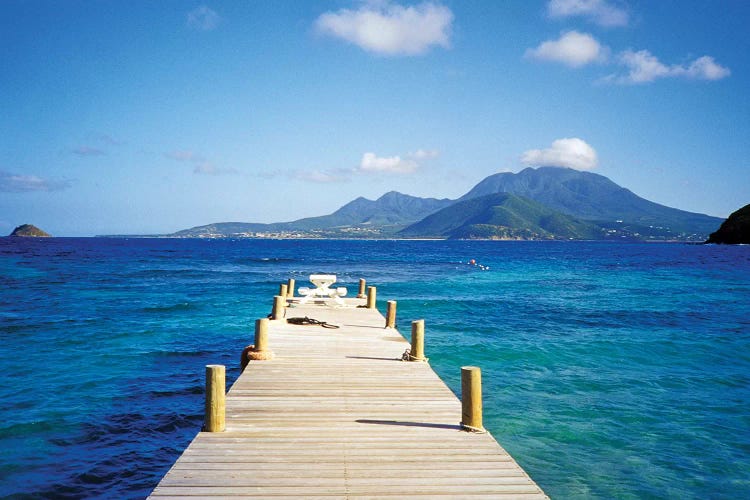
{"x": 184, "y": 155}
{"x": 602, "y": 12}
{"x": 88, "y": 151}
{"x": 573, "y": 49}
{"x": 109, "y": 140}
{"x": 644, "y": 67}
{"x": 569, "y": 152}
{"x": 203, "y": 19}
{"x": 206, "y": 168}
{"x": 331, "y": 176}
{"x": 199, "y": 162}
{"x": 390, "y": 29}
{"x": 17, "y": 183}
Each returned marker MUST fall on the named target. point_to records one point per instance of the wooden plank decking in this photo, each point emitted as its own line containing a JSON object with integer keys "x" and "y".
{"x": 337, "y": 415}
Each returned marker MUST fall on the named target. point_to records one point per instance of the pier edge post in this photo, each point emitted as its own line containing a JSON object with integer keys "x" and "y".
{"x": 471, "y": 399}
{"x": 261, "y": 334}
{"x": 372, "y": 293}
{"x": 390, "y": 314}
{"x": 290, "y": 288}
{"x": 417, "y": 341}
{"x": 283, "y": 290}
{"x": 215, "y": 398}
{"x": 361, "y": 293}
{"x": 278, "y": 307}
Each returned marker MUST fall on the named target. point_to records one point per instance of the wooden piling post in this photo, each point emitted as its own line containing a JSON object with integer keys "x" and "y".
{"x": 417, "y": 341}
{"x": 278, "y": 307}
{"x": 283, "y": 290}
{"x": 390, "y": 314}
{"x": 215, "y": 398}
{"x": 290, "y": 288}
{"x": 261, "y": 334}
{"x": 361, "y": 293}
{"x": 258, "y": 351}
{"x": 471, "y": 399}
{"x": 372, "y": 293}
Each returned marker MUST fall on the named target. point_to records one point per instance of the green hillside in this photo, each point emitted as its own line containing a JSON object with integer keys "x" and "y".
{"x": 502, "y": 216}
{"x": 596, "y": 198}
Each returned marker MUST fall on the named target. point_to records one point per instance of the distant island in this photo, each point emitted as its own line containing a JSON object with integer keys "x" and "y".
{"x": 545, "y": 203}
{"x": 29, "y": 231}
{"x": 735, "y": 230}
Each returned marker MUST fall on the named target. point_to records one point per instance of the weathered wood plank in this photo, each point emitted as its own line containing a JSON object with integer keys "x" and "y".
{"x": 338, "y": 415}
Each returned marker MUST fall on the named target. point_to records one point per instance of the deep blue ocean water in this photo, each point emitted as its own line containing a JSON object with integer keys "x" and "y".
{"x": 609, "y": 370}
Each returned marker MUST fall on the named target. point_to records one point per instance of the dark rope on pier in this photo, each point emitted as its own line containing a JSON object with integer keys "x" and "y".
{"x": 406, "y": 356}
{"x": 310, "y": 321}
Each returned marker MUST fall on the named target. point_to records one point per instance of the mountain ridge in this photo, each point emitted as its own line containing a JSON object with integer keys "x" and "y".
{"x": 575, "y": 199}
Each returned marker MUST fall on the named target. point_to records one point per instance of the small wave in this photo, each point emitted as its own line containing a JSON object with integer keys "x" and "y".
{"x": 181, "y": 306}
{"x": 264, "y": 260}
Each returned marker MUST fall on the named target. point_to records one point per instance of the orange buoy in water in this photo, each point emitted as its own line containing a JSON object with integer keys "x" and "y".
{"x": 473, "y": 262}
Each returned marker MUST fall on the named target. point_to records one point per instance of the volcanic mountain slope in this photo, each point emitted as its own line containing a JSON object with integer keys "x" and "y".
{"x": 502, "y": 216}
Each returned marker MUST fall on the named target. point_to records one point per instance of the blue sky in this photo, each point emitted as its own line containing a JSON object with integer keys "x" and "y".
{"x": 150, "y": 117}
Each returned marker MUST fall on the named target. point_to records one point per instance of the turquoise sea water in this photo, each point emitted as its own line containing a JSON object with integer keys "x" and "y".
{"x": 609, "y": 371}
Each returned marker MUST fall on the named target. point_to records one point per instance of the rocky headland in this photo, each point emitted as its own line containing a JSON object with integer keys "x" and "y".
{"x": 735, "y": 230}
{"x": 29, "y": 230}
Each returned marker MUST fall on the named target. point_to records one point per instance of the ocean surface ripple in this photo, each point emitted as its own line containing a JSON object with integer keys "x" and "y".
{"x": 609, "y": 370}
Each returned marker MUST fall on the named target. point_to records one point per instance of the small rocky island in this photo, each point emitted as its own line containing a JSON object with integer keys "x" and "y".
{"x": 29, "y": 230}
{"x": 735, "y": 230}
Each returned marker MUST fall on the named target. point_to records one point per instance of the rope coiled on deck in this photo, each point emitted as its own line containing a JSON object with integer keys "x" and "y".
{"x": 406, "y": 356}
{"x": 310, "y": 321}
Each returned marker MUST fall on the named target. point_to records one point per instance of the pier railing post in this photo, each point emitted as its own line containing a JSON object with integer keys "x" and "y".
{"x": 417, "y": 341}
{"x": 278, "y": 307}
{"x": 215, "y": 398}
{"x": 290, "y": 288}
{"x": 372, "y": 293}
{"x": 261, "y": 334}
{"x": 361, "y": 293}
{"x": 471, "y": 399}
{"x": 259, "y": 350}
{"x": 283, "y": 290}
{"x": 390, "y": 314}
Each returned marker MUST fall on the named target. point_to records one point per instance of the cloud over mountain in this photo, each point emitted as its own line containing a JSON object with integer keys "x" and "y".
{"x": 571, "y": 152}
{"x": 393, "y": 164}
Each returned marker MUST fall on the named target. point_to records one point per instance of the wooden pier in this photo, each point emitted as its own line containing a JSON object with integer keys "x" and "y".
{"x": 337, "y": 414}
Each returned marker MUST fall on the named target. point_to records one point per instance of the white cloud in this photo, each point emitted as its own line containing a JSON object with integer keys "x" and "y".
{"x": 15, "y": 183}
{"x": 573, "y": 49}
{"x": 390, "y": 29}
{"x": 394, "y": 164}
{"x": 705, "y": 68}
{"x": 644, "y": 67}
{"x": 422, "y": 154}
{"x": 570, "y": 152}
{"x": 203, "y": 19}
{"x": 601, "y": 12}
